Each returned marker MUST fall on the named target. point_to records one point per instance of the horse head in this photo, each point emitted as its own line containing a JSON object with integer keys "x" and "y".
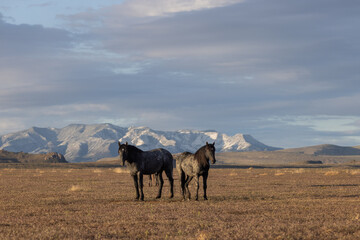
{"x": 210, "y": 152}
{"x": 123, "y": 152}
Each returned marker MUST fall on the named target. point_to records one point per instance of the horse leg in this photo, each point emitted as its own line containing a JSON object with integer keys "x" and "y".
{"x": 141, "y": 183}
{"x": 156, "y": 180}
{"x": 150, "y": 180}
{"x": 188, "y": 180}
{"x": 197, "y": 187}
{"x": 171, "y": 181}
{"x": 185, "y": 181}
{"x": 205, "y": 176}
{"x": 161, "y": 180}
{"x": 135, "y": 178}
{"x": 182, "y": 184}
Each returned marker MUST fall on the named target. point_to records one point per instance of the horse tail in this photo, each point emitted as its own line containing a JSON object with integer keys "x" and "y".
{"x": 171, "y": 163}
{"x": 178, "y": 161}
{"x": 168, "y": 161}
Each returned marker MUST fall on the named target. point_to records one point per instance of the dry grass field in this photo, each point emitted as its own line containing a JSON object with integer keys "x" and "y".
{"x": 97, "y": 203}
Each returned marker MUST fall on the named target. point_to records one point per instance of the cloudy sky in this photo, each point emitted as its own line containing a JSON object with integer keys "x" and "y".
{"x": 285, "y": 71}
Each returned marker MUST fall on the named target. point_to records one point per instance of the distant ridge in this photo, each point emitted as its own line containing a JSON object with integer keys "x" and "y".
{"x": 325, "y": 153}
{"x": 325, "y": 149}
{"x": 81, "y": 142}
{"x": 21, "y": 157}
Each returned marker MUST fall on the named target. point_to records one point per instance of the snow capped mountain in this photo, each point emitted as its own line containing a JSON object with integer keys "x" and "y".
{"x": 80, "y": 142}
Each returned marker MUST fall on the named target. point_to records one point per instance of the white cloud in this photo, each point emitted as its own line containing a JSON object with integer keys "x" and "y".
{"x": 16, "y": 119}
{"x": 286, "y": 75}
{"x": 70, "y": 109}
{"x": 324, "y": 123}
{"x": 139, "y": 11}
{"x": 11, "y": 124}
{"x": 156, "y": 8}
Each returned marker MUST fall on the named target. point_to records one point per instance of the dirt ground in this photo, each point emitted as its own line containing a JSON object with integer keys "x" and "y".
{"x": 98, "y": 203}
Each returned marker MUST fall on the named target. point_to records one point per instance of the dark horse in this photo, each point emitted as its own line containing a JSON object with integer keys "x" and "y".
{"x": 142, "y": 163}
{"x": 195, "y": 165}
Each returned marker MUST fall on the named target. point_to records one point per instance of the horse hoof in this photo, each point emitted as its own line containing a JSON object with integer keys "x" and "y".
{"x": 205, "y": 198}
{"x": 157, "y": 197}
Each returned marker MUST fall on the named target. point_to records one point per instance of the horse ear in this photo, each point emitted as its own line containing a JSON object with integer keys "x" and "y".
{"x": 214, "y": 143}
{"x": 119, "y": 143}
{"x": 207, "y": 143}
{"x": 126, "y": 143}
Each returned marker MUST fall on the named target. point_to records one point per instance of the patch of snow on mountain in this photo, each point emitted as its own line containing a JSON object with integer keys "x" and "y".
{"x": 235, "y": 143}
{"x": 212, "y": 135}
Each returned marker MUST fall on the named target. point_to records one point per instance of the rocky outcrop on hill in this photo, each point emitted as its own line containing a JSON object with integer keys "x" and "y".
{"x": 54, "y": 157}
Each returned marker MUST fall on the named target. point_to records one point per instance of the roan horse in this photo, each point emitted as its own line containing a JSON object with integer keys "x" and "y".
{"x": 195, "y": 165}
{"x": 142, "y": 163}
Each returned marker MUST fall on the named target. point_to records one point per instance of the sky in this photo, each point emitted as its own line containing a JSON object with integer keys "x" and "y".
{"x": 286, "y": 72}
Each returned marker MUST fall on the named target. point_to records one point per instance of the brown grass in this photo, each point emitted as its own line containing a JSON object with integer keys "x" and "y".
{"x": 331, "y": 173}
{"x": 243, "y": 204}
{"x": 354, "y": 171}
{"x": 75, "y": 188}
{"x": 120, "y": 170}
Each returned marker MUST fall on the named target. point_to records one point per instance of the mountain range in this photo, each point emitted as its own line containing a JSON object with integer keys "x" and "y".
{"x": 81, "y": 142}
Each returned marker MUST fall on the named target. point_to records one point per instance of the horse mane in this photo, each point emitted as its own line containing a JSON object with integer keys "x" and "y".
{"x": 186, "y": 154}
{"x": 200, "y": 156}
{"x": 132, "y": 148}
{"x": 133, "y": 152}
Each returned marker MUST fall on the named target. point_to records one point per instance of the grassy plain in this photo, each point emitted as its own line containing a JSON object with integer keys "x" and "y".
{"x": 97, "y": 203}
